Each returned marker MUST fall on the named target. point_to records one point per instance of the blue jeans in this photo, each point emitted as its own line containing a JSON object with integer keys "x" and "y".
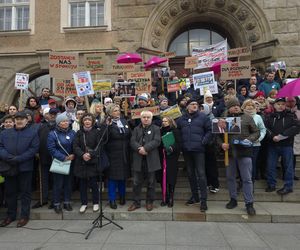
{"x": 244, "y": 165}
{"x": 91, "y": 182}
{"x": 112, "y": 185}
{"x": 286, "y": 152}
{"x": 61, "y": 183}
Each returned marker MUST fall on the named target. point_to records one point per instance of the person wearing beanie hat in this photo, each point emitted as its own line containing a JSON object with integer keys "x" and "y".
{"x": 240, "y": 154}
{"x": 60, "y": 146}
{"x": 107, "y": 101}
{"x": 163, "y": 103}
{"x": 195, "y": 129}
{"x": 282, "y": 126}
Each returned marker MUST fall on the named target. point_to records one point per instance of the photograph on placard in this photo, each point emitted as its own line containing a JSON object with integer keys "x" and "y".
{"x": 230, "y": 125}
{"x": 126, "y": 89}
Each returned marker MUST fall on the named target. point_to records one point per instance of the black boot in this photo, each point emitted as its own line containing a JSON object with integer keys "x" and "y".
{"x": 171, "y": 196}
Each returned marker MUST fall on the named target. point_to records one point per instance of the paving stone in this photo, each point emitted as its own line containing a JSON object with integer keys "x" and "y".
{"x": 71, "y": 246}
{"x": 273, "y": 228}
{"x": 279, "y": 241}
{"x": 114, "y": 246}
{"x": 181, "y": 212}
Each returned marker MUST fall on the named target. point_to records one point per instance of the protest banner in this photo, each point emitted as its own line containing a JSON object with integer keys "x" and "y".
{"x": 238, "y": 52}
{"x": 125, "y": 67}
{"x": 136, "y": 113}
{"x": 142, "y": 81}
{"x": 83, "y": 83}
{"x": 168, "y": 54}
{"x": 64, "y": 88}
{"x": 190, "y": 62}
{"x": 62, "y": 65}
{"x": 236, "y": 70}
{"x": 126, "y": 89}
{"x": 208, "y": 55}
{"x": 173, "y": 86}
{"x": 184, "y": 83}
{"x": 102, "y": 85}
{"x": 94, "y": 63}
{"x": 21, "y": 81}
{"x": 278, "y": 65}
{"x": 173, "y": 112}
{"x": 205, "y": 81}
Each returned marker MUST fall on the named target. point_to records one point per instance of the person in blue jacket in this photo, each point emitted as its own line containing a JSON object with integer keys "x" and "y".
{"x": 195, "y": 129}
{"x": 18, "y": 147}
{"x": 65, "y": 136}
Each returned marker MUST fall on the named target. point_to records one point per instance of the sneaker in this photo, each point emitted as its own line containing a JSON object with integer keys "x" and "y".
{"x": 270, "y": 189}
{"x": 95, "y": 207}
{"x": 203, "y": 206}
{"x": 192, "y": 201}
{"x": 231, "y": 204}
{"x": 250, "y": 209}
{"x": 214, "y": 190}
{"x": 82, "y": 209}
{"x": 284, "y": 191}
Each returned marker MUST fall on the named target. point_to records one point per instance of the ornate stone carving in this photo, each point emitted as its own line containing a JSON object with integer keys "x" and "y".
{"x": 155, "y": 43}
{"x": 220, "y": 3}
{"x": 253, "y": 37}
{"x": 233, "y": 7}
{"x": 242, "y": 14}
{"x": 251, "y": 25}
{"x": 185, "y": 4}
{"x": 201, "y": 5}
{"x": 174, "y": 11}
{"x": 158, "y": 31}
{"x": 164, "y": 19}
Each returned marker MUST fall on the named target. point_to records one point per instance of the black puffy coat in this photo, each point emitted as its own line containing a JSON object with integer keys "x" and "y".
{"x": 45, "y": 128}
{"x": 118, "y": 151}
{"x": 83, "y": 169}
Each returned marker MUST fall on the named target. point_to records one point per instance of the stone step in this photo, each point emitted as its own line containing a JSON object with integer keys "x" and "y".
{"x": 267, "y": 212}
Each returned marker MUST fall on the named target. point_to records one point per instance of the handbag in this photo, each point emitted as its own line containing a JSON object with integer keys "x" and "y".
{"x": 60, "y": 167}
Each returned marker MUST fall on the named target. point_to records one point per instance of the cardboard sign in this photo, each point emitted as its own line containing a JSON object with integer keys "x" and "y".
{"x": 190, "y": 62}
{"x": 126, "y": 67}
{"x": 170, "y": 54}
{"x": 62, "y": 65}
{"x": 83, "y": 83}
{"x": 102, "y": 85}
{"x": 126, "y": 89}
{"x": 173, "y": 86}
{"x": 94, "y": 62}
{"x": 208, "y": 55}
{"x": 136, "y": 113}
{"x": 64, "y": 88}
{"x": 173, "y": 112}
{"x": 237, "y": 52}
{"x": 278, "y": 65}
{"x": 236, "y": 70}
{"x": 184, "y": 83}
{"x": 142, "y": 81}
{"x": 205, "y": 81}
{"x": 21, "y": 81}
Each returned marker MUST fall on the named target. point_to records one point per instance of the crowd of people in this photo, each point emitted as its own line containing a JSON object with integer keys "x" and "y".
{"x": 105, "y": 140}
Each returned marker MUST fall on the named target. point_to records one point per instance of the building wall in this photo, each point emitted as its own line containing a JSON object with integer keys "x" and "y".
{"x": 148, "y": 25}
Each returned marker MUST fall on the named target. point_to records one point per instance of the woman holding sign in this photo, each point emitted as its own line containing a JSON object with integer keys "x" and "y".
{"x": 169, "y": 153}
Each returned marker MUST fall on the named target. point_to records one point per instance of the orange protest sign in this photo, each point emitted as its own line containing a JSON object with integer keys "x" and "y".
{"x": 126, "y": 67}
{"x": 191, "y": 62}
{"x": 64, "y": 87}
{"x": 136, "y": 113}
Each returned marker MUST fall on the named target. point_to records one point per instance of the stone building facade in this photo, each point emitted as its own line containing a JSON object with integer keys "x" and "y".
{"x": 271, "y": 27}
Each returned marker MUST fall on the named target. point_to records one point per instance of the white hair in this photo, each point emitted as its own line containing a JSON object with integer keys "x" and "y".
{"x": 147, "y": 112}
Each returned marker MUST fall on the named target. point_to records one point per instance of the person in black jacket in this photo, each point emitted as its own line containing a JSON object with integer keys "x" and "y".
{"x": 195, "y": 129}
{"x": 18, "y": 147}
{"x": 87, "y": 145}
{"x": 117, "y": 148}
{"x": 281, "y": 126}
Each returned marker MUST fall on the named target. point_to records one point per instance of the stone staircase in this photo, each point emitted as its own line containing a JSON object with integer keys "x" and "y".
{"x": 270, "y": 207}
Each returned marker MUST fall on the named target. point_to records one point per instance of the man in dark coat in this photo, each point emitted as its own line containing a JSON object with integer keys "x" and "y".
{"x": 145, "y": 142}
{"x": 195, "y": 129}
{"x": 18, "y": 147}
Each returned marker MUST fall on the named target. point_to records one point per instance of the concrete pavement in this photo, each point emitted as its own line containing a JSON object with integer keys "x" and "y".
{"x": 156, "y": 235}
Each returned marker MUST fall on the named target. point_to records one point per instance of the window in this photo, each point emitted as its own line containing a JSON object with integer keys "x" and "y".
{"x": 183, "y": 43}
{"x": 86, "y": 13}
{"x": 14, "y": 15}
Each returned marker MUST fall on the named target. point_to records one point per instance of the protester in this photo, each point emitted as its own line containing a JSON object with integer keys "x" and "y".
{"x": 144, "y": 142}
{"x": 195, "y": 130}
{"x": 97, "y": 110}
{"x": 43, "y": 100}
{"x": 252, "y": 91}
{"x": 240, "y": 153}
{"x": 18, "y": 147}
{"x": 88, "y": 144}
{"x": 70, "y": 106}
{"x": 32, "y": 105}
{"x": 12, "y": 110}
{"x": 60, "y": 143}
{"x": 269, "y": 84}
{"x": 118, "y": 151}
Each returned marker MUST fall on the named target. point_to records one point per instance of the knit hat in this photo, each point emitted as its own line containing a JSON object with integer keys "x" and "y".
{"x": 51, "y": 101}
{"x": 60, "y": 118}
{"x": 259, "y": 93}
{"x": 143, "y": 97}
{"x": 163, "y": 99}
{"x": 190, "y": 101}
{"x": 54, "y": 111}
{"x": 207, "y": 94}
{"x": 46, "y": 111}
{"x": 230, "y": 85}
{"x": 107, "y": 100}
{"x": 232, "y": 102}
